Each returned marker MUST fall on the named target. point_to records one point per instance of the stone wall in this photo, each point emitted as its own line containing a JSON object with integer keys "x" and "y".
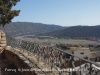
{"x": 2, "y": 41}
{"x": 18, "y": 60}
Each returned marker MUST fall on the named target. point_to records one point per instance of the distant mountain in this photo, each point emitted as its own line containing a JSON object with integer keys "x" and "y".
{"x": 28, "y": 28}
{"x": 76, "y": 32}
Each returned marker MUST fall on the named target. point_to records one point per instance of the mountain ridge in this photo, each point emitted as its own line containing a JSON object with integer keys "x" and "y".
{"x": 76, "y": 32}
{"x": 25, "y": 28}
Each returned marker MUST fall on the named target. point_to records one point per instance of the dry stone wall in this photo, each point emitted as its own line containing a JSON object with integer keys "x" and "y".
{"x": 2, "y": 41}
{"x": 19, "y": 62}
{"x": 13, "y": 56}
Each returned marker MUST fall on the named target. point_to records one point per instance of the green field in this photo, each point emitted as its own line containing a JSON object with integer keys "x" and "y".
{"x": 50, "y": 38}
{"x": 66, "y": 40}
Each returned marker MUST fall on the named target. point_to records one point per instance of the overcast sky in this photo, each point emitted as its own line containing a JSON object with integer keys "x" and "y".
{"x": 59, "y": 12}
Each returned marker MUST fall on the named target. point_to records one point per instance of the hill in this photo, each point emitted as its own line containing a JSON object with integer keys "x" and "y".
{"x": 76, "y": 32}
{"x": 28, "y": 28}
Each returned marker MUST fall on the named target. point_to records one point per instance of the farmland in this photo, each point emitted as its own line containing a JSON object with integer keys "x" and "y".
{"x": 57, "y": 41}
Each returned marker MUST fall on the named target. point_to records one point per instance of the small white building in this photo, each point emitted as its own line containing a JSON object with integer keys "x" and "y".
{"x": 80, "y": 52}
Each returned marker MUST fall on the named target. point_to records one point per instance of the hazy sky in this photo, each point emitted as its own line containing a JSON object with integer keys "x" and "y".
{"x": 59, "y": 12}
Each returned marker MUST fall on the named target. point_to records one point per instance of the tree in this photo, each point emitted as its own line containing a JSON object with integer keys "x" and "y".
{"x": 6, "y": 12}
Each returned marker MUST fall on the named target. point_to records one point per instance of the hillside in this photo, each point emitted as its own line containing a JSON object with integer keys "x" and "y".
{"x": 76, "y": 32}
{"x": 28, "y": 28}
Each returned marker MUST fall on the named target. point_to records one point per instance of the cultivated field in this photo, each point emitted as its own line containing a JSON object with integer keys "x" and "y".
{"x": 58, "y": 41}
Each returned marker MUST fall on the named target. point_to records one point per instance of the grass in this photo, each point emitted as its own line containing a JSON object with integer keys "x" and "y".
{"x": 66, "y": 40}
{"x": 49, "y": 38}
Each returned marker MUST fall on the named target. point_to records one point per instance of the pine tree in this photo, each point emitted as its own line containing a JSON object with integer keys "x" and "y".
{"x": 6, "y": 12}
